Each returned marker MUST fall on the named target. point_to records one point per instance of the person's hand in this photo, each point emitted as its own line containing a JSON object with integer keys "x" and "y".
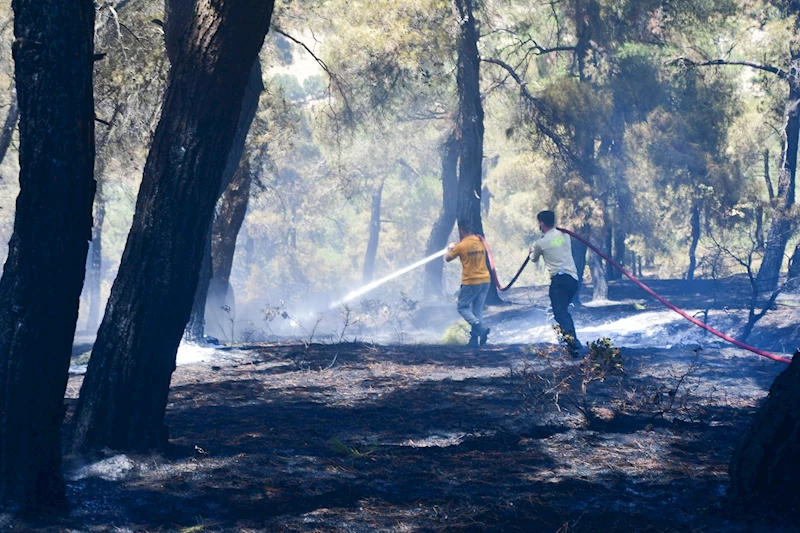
{"x": 450, "y": 247}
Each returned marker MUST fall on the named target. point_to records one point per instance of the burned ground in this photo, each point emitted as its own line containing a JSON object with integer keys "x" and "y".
{"x": 359, "y": 437}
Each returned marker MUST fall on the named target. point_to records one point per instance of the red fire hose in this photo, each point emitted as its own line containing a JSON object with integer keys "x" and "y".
{"x": 647, "y": 289}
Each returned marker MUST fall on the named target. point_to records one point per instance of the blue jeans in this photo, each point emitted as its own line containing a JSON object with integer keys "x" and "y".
{"x": 471, "y": 300}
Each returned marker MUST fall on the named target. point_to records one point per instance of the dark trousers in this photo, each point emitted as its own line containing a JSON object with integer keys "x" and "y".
{"x": 562, "y": 289}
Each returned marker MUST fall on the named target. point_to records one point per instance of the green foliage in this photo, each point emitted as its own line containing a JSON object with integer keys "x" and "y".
{"x": 457, "y": 334}
{"x": 350, "y": 452}
{"x": 603, "y": 359}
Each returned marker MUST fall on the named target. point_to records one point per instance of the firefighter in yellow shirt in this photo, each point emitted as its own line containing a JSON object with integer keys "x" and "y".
{"x": 475, "y": 279}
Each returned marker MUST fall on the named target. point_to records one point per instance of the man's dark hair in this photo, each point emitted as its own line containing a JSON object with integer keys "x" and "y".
{"x": 548, "y": 218}
{"x": 465, "y": 226}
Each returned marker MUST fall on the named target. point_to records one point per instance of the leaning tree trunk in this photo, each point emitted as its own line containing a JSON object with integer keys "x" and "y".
{"x": 781, "y": 226}
{"x": 124, "y": 394}
{"x": 231, "y": 211}
{"x": 195, "y": 329}
{"x": 766, "y": 462}
{"x": 447, "y": 216}
{"x": 374, "y": 233}
{"x": 43, "y": 275}
{"x": 9, "y": 125}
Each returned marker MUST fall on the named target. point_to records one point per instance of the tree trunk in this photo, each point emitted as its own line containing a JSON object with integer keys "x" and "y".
{"x": 767, "y": 178}
{"x": 43, "y": 275}
{"x": 695, "y": 228}
{"x": 609, "y": 245}
{"x": 793, "y": 277}
{"x": 599, "y": 280}
{"x": 94, "y": 273}
{"x": 579, "y": 256}
{"x": 469, "y": 122}
{"x": 124, "y": 393}
{"x": 195, "y": 329}
{"x": 447, "y": 216}
{"x": 231, "y": 211}
{"x": 766, "y": 461}
{"x": 7, "y": 133}
{"x": 374, "y": 233}
{"x": 618, "y": 243}
{"x": 781, "y": 226}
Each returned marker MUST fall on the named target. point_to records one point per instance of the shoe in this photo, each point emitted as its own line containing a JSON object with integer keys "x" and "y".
{"x": 484, "y": 336}
{"x": 473, "y": 341}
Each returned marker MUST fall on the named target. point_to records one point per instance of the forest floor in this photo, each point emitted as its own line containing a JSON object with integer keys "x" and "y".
{"x": 363, "y": 437}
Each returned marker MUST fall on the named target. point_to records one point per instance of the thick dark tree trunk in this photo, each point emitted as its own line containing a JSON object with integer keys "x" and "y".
{"x": 374, "y": 233}
{"x": 766, "y": 462}
{"x": 781, "y": 227}
{"x": 443, "y": 226}
{"x": 195, "y": 329}
{"x": 7, "y": 133}
{"x": 43, "y": 275}
{"x": 469, "y": 122}
{"x": 695, "y": 229}
{"x": 124, "y": 392}
{"x": 793, "y": 277}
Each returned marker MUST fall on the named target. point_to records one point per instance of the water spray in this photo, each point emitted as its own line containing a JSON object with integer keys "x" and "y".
{"x": 366, "y": 288}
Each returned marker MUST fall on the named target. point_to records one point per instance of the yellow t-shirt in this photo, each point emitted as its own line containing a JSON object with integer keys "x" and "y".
{"x": 472, "y": 253}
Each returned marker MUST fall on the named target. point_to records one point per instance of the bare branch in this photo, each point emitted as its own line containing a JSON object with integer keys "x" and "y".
{"x": 334, "y": 78}
{"x": 685, "y": 61}
{"x": 522, "y": 84}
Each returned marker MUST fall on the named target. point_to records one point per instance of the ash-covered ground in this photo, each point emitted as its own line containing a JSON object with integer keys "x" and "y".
{"x": 343, "y": 436}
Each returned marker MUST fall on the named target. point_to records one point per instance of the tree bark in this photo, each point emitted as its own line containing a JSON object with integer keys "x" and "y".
{"x": 374, "y": 233}
{"x": 469, "y": 122}
{"x": 447, "y": 216}
{"x": 231, "y": 211}
{"x": 579, "y": 256}
{"x": 7, "y": 133}
{"x": 766, "y": 461}
{"x": 195, "y": 329}
{"x": 781, "y": 227}
{"x": 43, "y": 275}
{"x": 124, "y": 393}
{"x": 793, "y": 277}
{"x": 695, "y": 228}
{"x": 599, "y": 279}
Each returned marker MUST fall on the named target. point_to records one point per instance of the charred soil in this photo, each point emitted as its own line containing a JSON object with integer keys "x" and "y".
{"x": 510, "y": 438}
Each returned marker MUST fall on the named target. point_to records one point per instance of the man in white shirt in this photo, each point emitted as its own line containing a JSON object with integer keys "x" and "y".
{"x": 556, "y": 249}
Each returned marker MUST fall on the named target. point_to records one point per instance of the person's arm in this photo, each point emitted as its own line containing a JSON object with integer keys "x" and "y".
{"x": 535, "y": 252}
{"x": 452, "y": 252}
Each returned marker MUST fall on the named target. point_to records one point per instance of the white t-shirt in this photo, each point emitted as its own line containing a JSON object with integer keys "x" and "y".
{"x": 556, "y": 248}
